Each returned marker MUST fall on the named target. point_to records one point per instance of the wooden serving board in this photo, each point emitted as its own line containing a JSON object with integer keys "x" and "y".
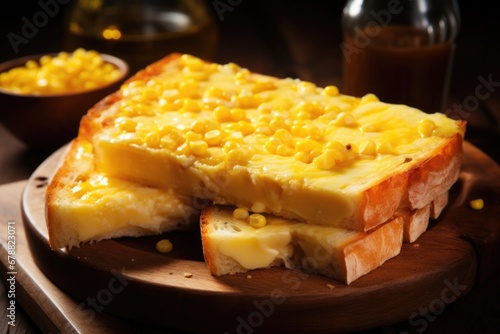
{"x": 127, "y": 277}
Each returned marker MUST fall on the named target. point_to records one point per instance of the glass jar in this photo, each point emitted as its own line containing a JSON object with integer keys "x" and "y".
{"x": 401, "y": 51}
{"x": 143, "y": 31}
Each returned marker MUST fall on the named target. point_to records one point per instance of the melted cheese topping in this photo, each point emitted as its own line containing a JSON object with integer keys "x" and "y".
{"x": 223, "y": 133}
{"x": 253, "y": 247}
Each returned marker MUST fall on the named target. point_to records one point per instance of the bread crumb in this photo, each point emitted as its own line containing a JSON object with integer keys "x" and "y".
{"x": 249, "y": 276}
{"x": 330, "y": 286}
{"x": 132, "y": 260}
{"x": 188, "y": 275}
{"x": 415, "y": 245}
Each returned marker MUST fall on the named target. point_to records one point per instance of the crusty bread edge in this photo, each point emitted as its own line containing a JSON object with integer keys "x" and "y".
{"x": 58, "y": 238}
{"x": 413, "y": 188}
{"x": 370, "y": 252}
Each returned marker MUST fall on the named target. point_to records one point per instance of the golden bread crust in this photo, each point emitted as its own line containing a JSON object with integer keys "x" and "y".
{"x": 372, "y": 251}
{"x": 58, "y": 236}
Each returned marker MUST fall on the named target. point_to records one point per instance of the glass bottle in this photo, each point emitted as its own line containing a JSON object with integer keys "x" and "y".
{"x": 401, "y": 51}
{"x": 143, "y": 31}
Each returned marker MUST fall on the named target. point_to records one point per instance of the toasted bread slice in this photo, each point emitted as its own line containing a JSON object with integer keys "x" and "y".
{"x": 279, "y": 146}
{"x": 438, "y": 205}
{"x": 232, "y": 246}
{"x": 85, "y": 206}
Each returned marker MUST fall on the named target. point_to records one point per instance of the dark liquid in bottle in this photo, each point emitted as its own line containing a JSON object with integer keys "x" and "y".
{"x": 399, "y": 66}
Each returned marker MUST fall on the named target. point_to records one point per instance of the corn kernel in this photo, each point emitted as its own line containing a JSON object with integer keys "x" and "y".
{"x": 184, "y": 149}
{"x": 238, "y": 114}
{"x": 334, "y": 144}
{"x": 233, "y": 67}
{"x": 164, "y": 246}
{"x": 426, "y": 128}
{"x": 246, "y": 127}
{"x": 368, "y": 147}
{"x": 215, "y": 92}
{"x": 302, "y": 157}
{"x": 477, "y": 204}
{"x": 344, "y": 119}
{"x": 306, "y": 145}
{"x": 263, "y": 129}
{"x": 229, "y": 146}
{"x": 126, "y": 124}
{"x": 336, "y": 154}
{"x": 298, "y": 131}
{"x": 284, "y": 150}
{"x": 284, "y": 135}
{"x": 310, "y": 107}
{"x": 258, "y": 207}
{"x": 192, "y": 63}
{"x": 272, "y": 144}
{"x": 189, "y": 104}
{"x": 240, "y": 213}
{"x": 276, "y": 123}
{"x": 264, "y": 108}
{"x": 324, "y": 161}
{"x": 247, "y": 101}
{"x": 168, "y": 142}
{"x": 152, "y": 139}
{"x": 213, "y": 137}
{"x": 222, "y": 114}
{"x": 188, "y": 88}
{"x": 369, "y": 98}
{"x": 306, "y": 87}
{"x": 198, "y": 147}
{"x": 192, "y": 136}
{"x": 384, "y": 148}
{"x": 331, "y": 91}
{"x": 243, "y": 76}
{"x": 237, "y": 157}
{"x": 199, "y": 126}
{"x": 313, "y": 132}
{"x": 236, "y": 135}
{"x": 315, "y": 153}
{"x": 257, "y": 220}
{"x": 261, "y": 86}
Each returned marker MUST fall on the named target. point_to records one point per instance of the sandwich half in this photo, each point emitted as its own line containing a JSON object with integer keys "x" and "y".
{"x": 84, "y": 206}
{"x": 231, "y": 245}
{"x": 279, "y": 146}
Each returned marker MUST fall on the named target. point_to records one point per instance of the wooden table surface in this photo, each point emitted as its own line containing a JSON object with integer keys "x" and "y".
{"x": 301, "y": 39}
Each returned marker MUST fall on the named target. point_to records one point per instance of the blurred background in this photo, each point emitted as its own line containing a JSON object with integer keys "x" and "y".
{"x": 282, "y": 38}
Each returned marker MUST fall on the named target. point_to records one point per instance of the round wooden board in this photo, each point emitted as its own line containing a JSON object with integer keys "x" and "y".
{"x": 129, "y": 278}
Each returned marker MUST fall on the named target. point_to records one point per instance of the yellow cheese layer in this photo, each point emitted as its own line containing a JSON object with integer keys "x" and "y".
{"x": 280, "y": 146}
{"x": 96, "y": 205}
{"x": 253, "y": 247}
